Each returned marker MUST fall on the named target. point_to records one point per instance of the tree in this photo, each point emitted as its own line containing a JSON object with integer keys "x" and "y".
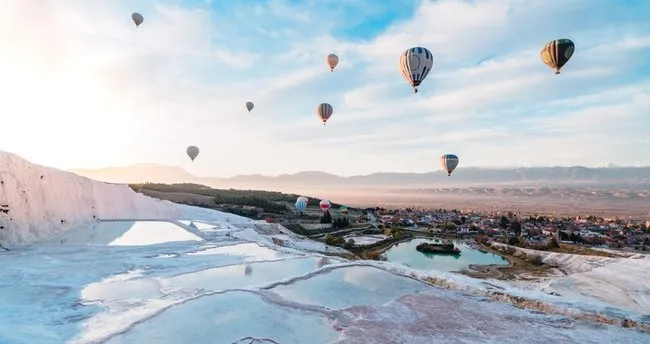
{"x": 515, "y": 226}
{"x": 504, "y": 222}
{"x": 449, "y": 227}
{"x": 463, "y": 219}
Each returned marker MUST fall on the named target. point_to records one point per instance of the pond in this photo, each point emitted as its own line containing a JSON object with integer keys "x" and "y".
{"x": 405, "y": 253}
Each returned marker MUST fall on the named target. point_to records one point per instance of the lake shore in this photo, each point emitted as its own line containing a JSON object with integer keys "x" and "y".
{"x": 517, "y": 269}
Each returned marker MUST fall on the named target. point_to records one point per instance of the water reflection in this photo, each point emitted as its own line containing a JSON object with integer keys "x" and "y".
{"x": 126, "y": 233}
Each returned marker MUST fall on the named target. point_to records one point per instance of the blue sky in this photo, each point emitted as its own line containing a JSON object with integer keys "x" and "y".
{"x": 84, "y": 88}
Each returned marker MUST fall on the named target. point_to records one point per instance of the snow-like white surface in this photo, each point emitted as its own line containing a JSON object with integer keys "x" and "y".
{"x": 621, "y": 282}
{"x": 205, "y": 276}
{"x": 41, "y": 201}
{"x": 568, "y": 263}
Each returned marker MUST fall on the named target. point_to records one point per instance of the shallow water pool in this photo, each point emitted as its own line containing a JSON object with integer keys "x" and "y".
{"x": 229, "y": 317}
{"x": 350, "y": 286}
{"x": 405, "y": 253}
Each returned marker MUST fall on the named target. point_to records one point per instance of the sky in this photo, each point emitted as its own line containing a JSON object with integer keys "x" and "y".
{"x": 82, "y": 87}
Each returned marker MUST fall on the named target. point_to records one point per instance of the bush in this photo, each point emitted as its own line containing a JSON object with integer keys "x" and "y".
{"x": 373, "y": 255}
{"x": 334, "y": 240}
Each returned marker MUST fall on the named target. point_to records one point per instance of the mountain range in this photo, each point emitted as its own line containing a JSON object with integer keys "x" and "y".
{"x": 469, "y": 176}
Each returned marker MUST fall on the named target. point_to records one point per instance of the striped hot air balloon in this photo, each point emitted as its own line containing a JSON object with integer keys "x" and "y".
{"x": 415, "y": 64}
{"x": 301, "y": 204}
{"x": 324, "y": 112}
{"x": 557, "y": 53}
{"x": 449, "y": 163}
{"x": 332, "y": 61}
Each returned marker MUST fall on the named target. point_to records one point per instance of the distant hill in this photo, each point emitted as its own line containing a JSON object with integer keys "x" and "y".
{"x": 138, "y": 173}
{"x": 472, "y": 176}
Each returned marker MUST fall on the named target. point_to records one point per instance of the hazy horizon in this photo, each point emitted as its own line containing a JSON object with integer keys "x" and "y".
{"x": 83, "y": 87}
{"x": 156, "y": 165}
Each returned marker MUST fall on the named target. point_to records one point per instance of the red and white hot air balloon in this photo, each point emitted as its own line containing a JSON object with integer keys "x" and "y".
{"x": 325, "y": 205}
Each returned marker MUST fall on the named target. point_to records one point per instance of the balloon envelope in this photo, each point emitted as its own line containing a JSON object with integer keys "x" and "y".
{"x": 192, "y": 152}
{"x": 332, "y": 61}
{"x": 324, "y": 112}
{"x": 449, "y": 162}
{"x": 415, "y": 64}
{"x": 557, "y": 53}
{"x": 249, "y": 106}
{"x": 325, "y": 205}
{"x": 137, "y": 18}
{"x": 301, "y": 205}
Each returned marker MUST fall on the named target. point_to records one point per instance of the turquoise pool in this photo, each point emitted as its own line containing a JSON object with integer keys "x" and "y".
{"x": 405, "y": 253}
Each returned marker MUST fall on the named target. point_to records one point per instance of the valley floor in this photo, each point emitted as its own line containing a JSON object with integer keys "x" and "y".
{"x": 224, "y": 279}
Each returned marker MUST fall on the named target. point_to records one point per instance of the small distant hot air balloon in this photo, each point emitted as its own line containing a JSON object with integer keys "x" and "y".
{"x": 137, "y": 18}
{"x": 332, "y": 60}
{"x": 249, "y": 106}
{"x": 449, "y": 163}
{"x": 325, "y": 205}
{"x": 415, "y": 64}
{"x": 322, "y": 262}
{"x": 301, "y": 204}
{"x": 248, "y": 270}
{"x": 344, "y": 210}
{"x": 324, "y": 112}
{"x": 557, "y": 53}
{"x": 192, "y": 152}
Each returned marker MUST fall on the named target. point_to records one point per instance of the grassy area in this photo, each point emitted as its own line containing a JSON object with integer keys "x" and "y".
{"x": 271, "y": 201}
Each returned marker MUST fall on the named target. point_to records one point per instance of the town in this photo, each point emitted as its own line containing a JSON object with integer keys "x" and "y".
{"x": 372, "y": 227}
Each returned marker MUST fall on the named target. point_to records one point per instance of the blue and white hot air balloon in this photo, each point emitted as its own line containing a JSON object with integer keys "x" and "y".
{"x": 301, "y": 204}
{"x": 415, "y": 64}
{"x": 449, "y": 163}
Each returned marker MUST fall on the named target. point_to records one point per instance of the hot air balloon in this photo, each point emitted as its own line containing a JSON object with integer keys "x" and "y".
{"x": 248, "y": 270}
{"x": 344, "y": 210}
{"x": 249, "y": 106}
{"x": 332, "y": 60}
{"x": 415, "y": 64}
{"x": 304, "y": 199}
{"x": 449, "y": 163}
{"x": 557, "y": 53}
{"x": 137, "y": 18}
{"x": 325, "y": 205}
{"x": 324, "y": 112}
{"x": 301, "y": 204}
{"x": 322, "y": 262}
{"x": 192, "y": 152}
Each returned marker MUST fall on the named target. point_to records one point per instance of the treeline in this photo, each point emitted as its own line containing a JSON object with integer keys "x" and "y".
{"x": 267, "y": 200}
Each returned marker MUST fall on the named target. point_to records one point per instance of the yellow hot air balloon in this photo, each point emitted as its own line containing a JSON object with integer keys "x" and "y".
{"x": 332, "y": 61}
{"x": 557, "y": 53}
{"x": 137, "y": 18}
{"x": 324, "y": 112}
